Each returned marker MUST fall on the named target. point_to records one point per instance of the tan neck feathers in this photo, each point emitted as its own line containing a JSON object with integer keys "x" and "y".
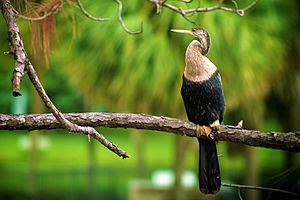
{"x": 198, "y": 67}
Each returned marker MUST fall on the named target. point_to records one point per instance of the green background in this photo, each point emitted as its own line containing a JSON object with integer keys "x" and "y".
{"x": 97, "y": 66}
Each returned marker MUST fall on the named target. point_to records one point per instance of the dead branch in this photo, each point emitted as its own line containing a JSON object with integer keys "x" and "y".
{"x": 16, "y": 46}
{"x": 19, "y": 52}
{"x": 275, "y": 140}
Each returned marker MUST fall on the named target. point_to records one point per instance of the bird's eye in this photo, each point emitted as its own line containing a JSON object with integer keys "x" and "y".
{"x": 194, "y": 30}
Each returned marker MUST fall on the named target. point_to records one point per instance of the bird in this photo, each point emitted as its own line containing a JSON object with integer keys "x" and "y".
{"x": 204, "y": 103}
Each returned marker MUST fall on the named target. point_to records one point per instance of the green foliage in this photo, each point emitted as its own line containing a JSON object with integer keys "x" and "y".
{"x": 102, "y": 67}
{"x": 121, "y": 72}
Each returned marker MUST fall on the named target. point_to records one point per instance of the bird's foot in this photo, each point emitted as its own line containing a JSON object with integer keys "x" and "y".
{"x": 215, "y": 125}
{"x": 204, "y": 131}
{"x": 207, "y": 130}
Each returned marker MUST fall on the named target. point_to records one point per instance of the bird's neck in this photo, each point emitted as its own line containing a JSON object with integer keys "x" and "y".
{"x": 198, "y": 67}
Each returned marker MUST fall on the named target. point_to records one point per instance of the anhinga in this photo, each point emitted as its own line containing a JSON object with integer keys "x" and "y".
{"x": 204, "y": 104}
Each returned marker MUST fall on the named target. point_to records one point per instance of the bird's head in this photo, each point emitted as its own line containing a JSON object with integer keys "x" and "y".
{"x": 202, "y": 36}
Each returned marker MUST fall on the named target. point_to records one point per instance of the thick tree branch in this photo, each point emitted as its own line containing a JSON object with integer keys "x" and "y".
{"x": 275, "y": 140}
{"x": 19, "y": 52}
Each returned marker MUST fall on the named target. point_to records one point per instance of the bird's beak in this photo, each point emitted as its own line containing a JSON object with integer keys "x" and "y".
{"x": 182, "y": 31}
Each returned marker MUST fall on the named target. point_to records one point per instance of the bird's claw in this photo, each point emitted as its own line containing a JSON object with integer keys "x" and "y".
{"x": 207, "y": 130}
{"x": 204, "y": 131}
{"x": 215, "y": 125}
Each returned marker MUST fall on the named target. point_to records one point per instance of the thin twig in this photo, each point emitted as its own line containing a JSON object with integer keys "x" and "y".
{"x": 122, "y": 22}
{"x": 184, "y": 12}
{"x": 86, "y": 13}
{"x": 44, "y": 16}
{"x": 12, "y": 26}
{"x": 251, "y": 187}
{"x": 250, "y": 5}
{"x": 284, "y": 141}
{"x": 239, "y": 194}
{"x": 186, "y": 1}
{"x": 235, "y": 4}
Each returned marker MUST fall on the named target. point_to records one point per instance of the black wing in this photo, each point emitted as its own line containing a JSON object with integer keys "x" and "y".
{"x": 203, "y": 101}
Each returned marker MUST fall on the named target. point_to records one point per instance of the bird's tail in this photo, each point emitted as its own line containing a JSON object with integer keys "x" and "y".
{"x": 209, "y": 171}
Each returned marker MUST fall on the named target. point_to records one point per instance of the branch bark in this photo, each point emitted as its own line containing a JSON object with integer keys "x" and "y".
{"x": 275, "y": 140}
